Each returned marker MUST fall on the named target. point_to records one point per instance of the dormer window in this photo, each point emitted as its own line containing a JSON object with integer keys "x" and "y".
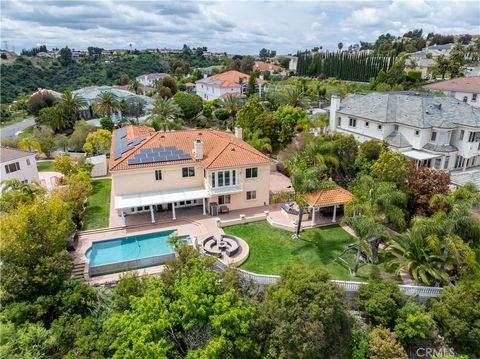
{"x": 433, "y": 137}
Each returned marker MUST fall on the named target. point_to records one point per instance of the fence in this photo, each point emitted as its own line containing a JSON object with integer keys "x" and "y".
{"x": 348, "y": 286}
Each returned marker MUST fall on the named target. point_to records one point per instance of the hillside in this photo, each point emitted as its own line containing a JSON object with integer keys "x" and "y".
{"x": 27, "y": 74}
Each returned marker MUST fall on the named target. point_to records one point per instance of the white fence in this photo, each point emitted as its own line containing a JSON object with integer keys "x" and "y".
{"x": 348, "y": 286}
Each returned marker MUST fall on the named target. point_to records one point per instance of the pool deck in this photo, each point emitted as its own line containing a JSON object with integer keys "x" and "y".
{"x": 190, "y": 222}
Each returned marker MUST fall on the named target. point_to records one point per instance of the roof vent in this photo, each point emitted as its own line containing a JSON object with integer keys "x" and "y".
{"x": 438, "y": 105}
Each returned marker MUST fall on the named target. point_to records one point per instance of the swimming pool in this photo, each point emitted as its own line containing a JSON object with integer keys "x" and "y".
{"x": 132, "y": 252}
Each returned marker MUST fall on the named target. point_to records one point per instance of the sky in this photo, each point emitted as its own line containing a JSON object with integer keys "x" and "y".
{"x": 240, "y": 27}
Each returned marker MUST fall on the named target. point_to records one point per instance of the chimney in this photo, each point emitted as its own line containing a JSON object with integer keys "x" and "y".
{"x": 334, "y": 106}
{"x": 205, "y": 76}
{"x": 261, "y": 77}
{"x": 239, "y": 132}
{"x": 198, "y": 149}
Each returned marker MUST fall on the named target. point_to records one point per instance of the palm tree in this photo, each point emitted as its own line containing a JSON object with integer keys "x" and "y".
{"x": 294, "y": 97}
{"x": 232, "y": 104}
{"x": 368, "y": 232}
{"x": 134, "y": 86}
{"x": 379, "y": 200}
{"x": 258, "y": 141}
{"x": 412, "y": 252}
{"x": 321, "y": 121}
{"x": 70, "y": 105}
{"x": 106, "y": 103}
{"x": 321, "y": 152}
{"x": 165, "y": 115}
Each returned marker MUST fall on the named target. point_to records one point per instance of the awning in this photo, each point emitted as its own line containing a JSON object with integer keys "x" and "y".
{"x": 150, "y": 198}
{"x": 419, "y": 155}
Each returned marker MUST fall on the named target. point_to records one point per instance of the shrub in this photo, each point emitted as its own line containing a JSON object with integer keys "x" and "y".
{"x": 107, "y": 124}
{"x": 384, "y": 345}
{"x": 380, "y": 300}
{"x": 413, "y": 323}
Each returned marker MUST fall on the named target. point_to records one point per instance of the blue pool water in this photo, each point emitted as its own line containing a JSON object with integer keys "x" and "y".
{"x": 130, "y": 248}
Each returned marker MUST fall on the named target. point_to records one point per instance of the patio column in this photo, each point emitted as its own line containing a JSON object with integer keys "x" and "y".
{"x": 124, "y": 223}
{"x": 313, "y": 215}
{"x": 173, "y": 211}
{"x": 334, "y": 219}
{"x": 152, "y": 214}
{"x": 204, "y": 209}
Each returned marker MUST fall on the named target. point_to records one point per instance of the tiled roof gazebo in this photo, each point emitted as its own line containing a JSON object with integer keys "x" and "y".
{"x": 332, "y": 197}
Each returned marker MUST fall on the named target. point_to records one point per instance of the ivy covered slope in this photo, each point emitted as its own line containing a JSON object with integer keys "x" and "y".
{"x": 28, "y": 74}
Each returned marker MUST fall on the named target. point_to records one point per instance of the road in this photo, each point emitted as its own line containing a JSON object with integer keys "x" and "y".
{"x": 11, "y": 130}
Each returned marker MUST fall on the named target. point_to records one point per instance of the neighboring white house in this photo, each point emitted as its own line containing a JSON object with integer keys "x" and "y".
{"x": 436, "y": 131}
{"x": 18, "y": 164}
{"x": 292, "y": 65}
{"x": 272, "y": 68}
{"x": 149, "y": 79}
{"x": 466, "y": 89}
{"x": 230, "y": 82}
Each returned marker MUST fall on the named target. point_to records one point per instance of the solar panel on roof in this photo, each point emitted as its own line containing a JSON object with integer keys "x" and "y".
{"x": 159, "y": 154}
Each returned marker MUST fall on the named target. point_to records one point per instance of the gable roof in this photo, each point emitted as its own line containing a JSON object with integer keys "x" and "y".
{"x": 262, "y": 66}
{"x": 462, "y": 84}
{"x": 329, "y": 197}
{"x": 8, "y": 154}
{"x": 421, "y": 110}
{"x": 227, "y": 79}
{"x": 220, "y": 149}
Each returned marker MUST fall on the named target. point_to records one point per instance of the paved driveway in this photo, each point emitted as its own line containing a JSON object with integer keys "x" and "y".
{"x": 11, "y": 130}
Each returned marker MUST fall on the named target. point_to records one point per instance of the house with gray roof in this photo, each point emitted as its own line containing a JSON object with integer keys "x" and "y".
{"x": 18, "y": 164}
{"x": 91, "y": 93}
{"x": 434, "y": 130}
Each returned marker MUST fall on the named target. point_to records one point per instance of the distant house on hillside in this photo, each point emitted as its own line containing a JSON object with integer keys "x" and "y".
{"x": 44, "y": 91}
{"x": 272, "y": 68}
{"x": 466, "y": 89}
{"x": 433, "y": 51}
{"x": 230, "y": 82}
{"x": 18, "y": 164}
{"x": 90, "y": 95}
{"x": 149, "y": 79}
{"x": 211, "y": 69}
{"x": 436, "y": 131}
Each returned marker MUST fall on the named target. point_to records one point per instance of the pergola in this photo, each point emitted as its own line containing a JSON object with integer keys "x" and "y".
{"x": 332, "y": 197}
{"x": 150, "y": 199}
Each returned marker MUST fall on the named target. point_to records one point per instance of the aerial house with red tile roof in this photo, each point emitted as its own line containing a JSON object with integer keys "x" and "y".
{"x": 161, "y": 171}
{"x": 230, "y": 82}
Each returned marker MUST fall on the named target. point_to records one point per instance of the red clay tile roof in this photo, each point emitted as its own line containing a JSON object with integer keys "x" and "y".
{"x": 461, "y": 84}
{"x": 220, "y": 149}
{"x": 266, "y": 67}
{"x": 329, "y": 197}
{"x": 228, "y": 79}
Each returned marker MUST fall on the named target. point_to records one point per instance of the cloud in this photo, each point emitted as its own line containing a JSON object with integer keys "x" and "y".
{"x": 232, "y": 26}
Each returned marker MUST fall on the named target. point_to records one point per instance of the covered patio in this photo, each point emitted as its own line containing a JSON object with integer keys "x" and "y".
{"x": 333, "y": 197}
{"x": 420, "y": 158}
{"x": 152, "y": 199}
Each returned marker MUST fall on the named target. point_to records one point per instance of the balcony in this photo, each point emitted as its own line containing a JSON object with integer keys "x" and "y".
{"x": 215, "y": 191}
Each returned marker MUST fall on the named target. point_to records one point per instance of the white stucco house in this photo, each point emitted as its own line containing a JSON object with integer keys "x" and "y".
{"x": 18, "y": 164}
{"x": 149, "y": 79}
{"x": 436, "y": 131}
{"x": 230, "y": 82}
{"x": 466, "y": 89}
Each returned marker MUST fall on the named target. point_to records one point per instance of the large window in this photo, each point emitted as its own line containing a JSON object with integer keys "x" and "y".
{"x": 433, "y": 138}
{"x": 251, "y": 195}
{"x": 158, "y": 175}
{"x": 447, "y": 162}
{"x": 12, "y": 167}
{"x": 474, "y": 137}
{"x": 352, "y": 122}
{"x": 188, "y": 172}
{"x": 224, "y": 178}
{"x": 251, "y": 172}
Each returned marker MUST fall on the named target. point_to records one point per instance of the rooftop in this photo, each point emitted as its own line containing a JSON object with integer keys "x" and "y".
{"x": 227, "y": 79}
{"x": 462, "y": 84}
{"x": 131, "y": 144}
{"x": 329, "y": 197}
{"x": 8, "y": 154}
{"x": 154, "y": 76}
{"x": 261, "y": 66}
{"x": 421, "y": 110}
{"x": 90, "y": 93}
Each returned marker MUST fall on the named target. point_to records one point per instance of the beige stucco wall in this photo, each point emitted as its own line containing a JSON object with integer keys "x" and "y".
{"x": 143, "y": 180}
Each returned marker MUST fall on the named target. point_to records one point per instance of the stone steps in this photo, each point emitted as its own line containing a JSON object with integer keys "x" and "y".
{"x": 78, "y": 270}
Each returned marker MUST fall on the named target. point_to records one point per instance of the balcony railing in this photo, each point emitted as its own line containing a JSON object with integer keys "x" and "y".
{"x": 225, "y": 189}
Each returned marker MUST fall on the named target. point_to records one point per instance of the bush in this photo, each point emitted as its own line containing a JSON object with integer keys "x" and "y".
{"x": 384, "y": 345}
{"x": 107, "y": 124}
{"x": 414, "y": 76}
{"x": 165, "y": 92}
{"x": 413, "y": 323}
{"x": 380, "y": 300}
{"x": 39, "y": 100}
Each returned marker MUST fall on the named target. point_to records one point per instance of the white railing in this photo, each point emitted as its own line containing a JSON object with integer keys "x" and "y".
{"x": 348, "y": 286}
{"x": 225, "y": 189}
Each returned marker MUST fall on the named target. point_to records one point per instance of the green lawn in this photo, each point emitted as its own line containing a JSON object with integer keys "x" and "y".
{"x": 273, "y": 248}
{"x": 45, "y": 166}
{"x": 98, "y": 205}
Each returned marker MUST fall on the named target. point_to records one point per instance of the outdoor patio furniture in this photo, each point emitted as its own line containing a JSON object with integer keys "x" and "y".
{"x": 224, "y": 209}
